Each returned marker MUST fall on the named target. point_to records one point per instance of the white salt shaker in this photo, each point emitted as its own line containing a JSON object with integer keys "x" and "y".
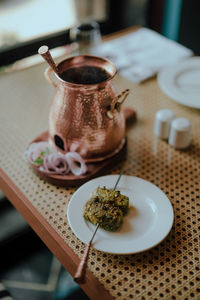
{"x": 162, "y": 123}
{"x": 180, "y": 133}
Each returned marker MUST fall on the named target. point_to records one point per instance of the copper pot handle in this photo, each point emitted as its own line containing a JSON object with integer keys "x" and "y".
{"x": 117, "y": 105}
{"x": 47, "y": 74}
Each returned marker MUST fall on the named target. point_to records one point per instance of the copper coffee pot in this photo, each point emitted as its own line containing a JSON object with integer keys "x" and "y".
{"x": 86, "y": 117}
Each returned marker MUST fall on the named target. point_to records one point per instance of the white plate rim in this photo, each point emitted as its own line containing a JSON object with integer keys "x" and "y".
{"x": 168, "y": 219}
{"x": 165, "y": 80}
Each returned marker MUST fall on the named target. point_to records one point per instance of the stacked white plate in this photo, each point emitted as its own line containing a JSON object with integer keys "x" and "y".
{"x": 181, "y": 82}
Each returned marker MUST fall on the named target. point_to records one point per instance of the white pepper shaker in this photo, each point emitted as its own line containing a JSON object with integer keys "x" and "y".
{"x": 180, "y": 133}
{"x": 162, "y": 123}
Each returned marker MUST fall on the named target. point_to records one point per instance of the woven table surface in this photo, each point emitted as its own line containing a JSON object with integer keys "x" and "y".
{"x": 171, "y": 270}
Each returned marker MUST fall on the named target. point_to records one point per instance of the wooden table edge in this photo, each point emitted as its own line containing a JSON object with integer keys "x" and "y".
{"x": 120, "y": 33}
{"x": 93, "y": 288}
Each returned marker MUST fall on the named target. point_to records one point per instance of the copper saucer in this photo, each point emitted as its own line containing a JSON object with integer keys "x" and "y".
{"x": 94, "y": 169}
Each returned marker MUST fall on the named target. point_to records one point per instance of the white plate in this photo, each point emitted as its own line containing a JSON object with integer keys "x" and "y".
{"x": 146, "y": 225}
{"x": 181, "y": 82}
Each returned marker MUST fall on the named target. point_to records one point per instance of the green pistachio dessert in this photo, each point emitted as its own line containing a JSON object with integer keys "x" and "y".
{"x": 107, "y": 208}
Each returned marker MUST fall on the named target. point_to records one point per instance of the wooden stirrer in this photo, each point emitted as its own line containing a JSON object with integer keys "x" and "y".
{"x": 44, "y": 52}
{"x": 80, "y": 273}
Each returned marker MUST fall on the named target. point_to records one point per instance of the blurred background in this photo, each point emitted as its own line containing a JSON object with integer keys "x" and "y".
{"x": 24, "y": 24}
{"x": 31, "y": 270}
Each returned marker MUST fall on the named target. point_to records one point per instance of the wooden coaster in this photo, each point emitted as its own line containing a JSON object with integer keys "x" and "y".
{"x": 94, "y": 169}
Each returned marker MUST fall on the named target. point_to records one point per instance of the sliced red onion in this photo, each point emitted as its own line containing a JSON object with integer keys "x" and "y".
{"x": 45, "y": 165}
{"x": 41, "y": 168}
{"x": 76, "y": 163}
{"x": 58, "y": 163}
{"x": 34, "y": 150}
{"x": 55, "y": 162}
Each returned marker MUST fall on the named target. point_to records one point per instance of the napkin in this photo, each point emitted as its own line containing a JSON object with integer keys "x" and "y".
{"x": 142, "y": 54}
